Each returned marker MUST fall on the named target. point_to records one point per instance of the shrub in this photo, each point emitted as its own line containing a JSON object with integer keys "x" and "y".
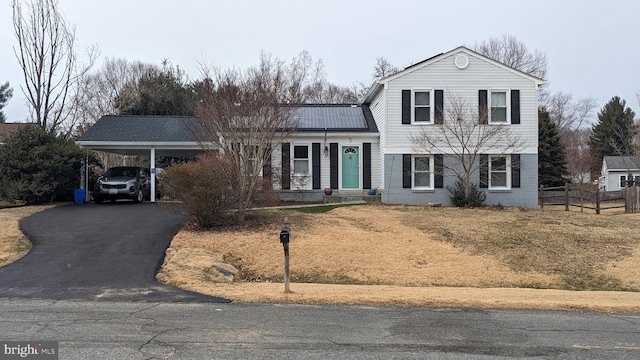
{"x": 199, "y": 189}
{"x": 458, "y": 197}
{"x": 36, "y": 166}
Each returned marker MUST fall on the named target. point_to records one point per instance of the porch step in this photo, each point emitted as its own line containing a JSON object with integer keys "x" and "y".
{"x": 350, "y": 197}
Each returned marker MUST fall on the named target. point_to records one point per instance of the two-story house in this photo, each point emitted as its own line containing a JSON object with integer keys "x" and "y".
{"x": 424, "y": 98}
{"x": 354, "y": 148}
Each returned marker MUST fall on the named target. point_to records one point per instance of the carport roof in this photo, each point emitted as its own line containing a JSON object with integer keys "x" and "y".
{"x": 137, "y": 134}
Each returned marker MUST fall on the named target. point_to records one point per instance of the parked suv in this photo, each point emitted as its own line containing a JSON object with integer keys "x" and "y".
{"x": 123, "y": 182}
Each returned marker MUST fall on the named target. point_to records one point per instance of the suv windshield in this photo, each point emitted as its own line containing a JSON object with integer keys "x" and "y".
{"x": 121, "y": 172}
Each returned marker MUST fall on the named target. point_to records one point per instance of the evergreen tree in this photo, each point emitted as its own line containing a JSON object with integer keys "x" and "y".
{"x": 552, "y": 164}
{"x": 36, "y": 166}
{"x": 613, "y": 134}
{"x": 5, "y": 94}
{"x": 158, "y": 92}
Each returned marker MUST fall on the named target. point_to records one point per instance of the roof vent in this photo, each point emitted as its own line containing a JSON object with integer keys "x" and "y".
{"x": 461, "y": 61}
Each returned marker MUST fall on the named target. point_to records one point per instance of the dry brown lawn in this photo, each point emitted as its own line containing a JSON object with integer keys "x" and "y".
{"x": 401, "y": 255}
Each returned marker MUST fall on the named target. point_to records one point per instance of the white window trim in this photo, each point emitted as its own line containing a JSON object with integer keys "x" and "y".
{"x": 431, "y": 106}
{"x": 293, "y": 159}
{"x": 301, "y": 181}
{"x": 508, "y": 101}
{"x": 508, "y": 171}
{"x": 431, "y": 172}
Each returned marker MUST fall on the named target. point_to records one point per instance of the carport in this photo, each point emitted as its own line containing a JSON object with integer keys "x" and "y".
{"x": 146, "y": 135}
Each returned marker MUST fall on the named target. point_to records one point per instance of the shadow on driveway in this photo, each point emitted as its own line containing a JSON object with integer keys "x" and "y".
{"x": 96, "y": 252}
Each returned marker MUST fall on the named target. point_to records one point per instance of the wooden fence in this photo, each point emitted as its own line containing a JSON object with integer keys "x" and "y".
{"x": 578, "y": 196}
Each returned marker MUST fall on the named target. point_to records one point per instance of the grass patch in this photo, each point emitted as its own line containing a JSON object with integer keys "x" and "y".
{"x": 320, "y": 209}
{"x": 576, "y": 247}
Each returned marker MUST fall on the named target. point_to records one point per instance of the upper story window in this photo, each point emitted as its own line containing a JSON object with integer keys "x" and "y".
{"x": 498, "y": 106}
{"x": 422, "y": 106}
{"x": 301, "y": 159}
{"x": 422, "y": 171}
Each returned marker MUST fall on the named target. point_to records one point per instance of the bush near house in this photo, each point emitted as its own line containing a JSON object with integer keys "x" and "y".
{"x": 200, "y": 190}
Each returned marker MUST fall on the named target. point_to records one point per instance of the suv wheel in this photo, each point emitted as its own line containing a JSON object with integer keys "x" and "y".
{"x": 139, "y": 197}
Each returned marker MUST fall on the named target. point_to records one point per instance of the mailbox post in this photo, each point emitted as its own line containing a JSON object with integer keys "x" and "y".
{"x": 284, "y": 239}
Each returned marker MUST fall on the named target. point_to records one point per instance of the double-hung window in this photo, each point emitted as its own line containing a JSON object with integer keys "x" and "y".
{"x": 422, "y": 171}
{"x": 499, "y": 171}
{"x": 498, "y": 101}
{"x": 422, "y": 106}
{"x": 252, "y": 161}
{"x": 301, "y": 160}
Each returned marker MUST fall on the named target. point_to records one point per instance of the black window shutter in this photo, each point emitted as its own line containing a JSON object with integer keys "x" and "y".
{"x": 286, "y": 166}
{"x": 366, "y": 165}
{"x": 406, "y": 171}
{"x": 315, "y": 157}
{"x": 333, "y": 165}
{"x": 439, "y": 114}
{"x": 439, "y": 171}
{"x": 406, "y": 106}
{"x": 483, "y": 114}
{"x": 484, "y": 171}
{"x": 515, "y": 106}
{"x": 266, "y": 168}
{"x": 515, "y": 170}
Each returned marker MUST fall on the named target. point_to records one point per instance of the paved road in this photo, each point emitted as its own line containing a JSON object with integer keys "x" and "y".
{"x": 136, "y": 330}
{"x": 96, "y": 252}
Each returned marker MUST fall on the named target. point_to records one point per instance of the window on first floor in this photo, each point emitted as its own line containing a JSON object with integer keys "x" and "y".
{"x": 499, "y": 171}
{"x": 629, "y": 181}
{"x": 301, "y": 159}
{"x": 422, "y": 171}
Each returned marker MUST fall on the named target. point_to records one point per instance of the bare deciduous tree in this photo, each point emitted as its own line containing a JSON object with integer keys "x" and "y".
{"x": 383, "y": 68}
{"x": 462, "y": 137}
{"x": 46, "y": 53}
{"x": 99, "y": 90}
{"x": 514, "y": 53}
{"x": 243, "y": 116}
{"x": 567, "y": 114}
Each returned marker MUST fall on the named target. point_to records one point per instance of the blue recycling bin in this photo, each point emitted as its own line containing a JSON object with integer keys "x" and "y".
{"x": 79, "y": 196}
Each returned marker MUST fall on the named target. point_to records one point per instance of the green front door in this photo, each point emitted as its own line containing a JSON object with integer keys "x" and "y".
{"x": 350, "y": 166}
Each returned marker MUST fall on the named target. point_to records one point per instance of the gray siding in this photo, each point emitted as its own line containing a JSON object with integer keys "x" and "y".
{"x": 525, "y": 196}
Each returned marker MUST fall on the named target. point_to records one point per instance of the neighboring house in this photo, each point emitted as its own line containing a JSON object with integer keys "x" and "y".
{"x": 6, "y": 129}
{"x": 617, "y": 171}
{"x": 353, "y": 148}
{"x": 419, "y": 97}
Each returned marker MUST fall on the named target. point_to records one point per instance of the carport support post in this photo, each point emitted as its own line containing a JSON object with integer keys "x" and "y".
{"x": 152, "y": 161}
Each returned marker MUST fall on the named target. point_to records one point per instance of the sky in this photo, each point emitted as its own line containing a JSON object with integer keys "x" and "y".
{"x": 592, "y": 46}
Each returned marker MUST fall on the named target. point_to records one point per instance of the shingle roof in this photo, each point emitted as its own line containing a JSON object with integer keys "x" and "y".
{"x": 624, "y": 163}
{"x": 141, "y": 128}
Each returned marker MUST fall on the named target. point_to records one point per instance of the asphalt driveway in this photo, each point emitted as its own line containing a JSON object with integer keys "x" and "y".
{"x": 97, "y": 252}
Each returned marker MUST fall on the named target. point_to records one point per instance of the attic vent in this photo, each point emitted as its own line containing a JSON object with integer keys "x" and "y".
{"x": 461, "y": 61}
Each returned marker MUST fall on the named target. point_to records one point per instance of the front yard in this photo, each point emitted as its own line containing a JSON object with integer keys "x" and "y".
{"x": 402, "y": 246}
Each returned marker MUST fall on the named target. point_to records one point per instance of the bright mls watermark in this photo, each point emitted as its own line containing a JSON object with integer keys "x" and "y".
{"x": 42, "y": 350}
